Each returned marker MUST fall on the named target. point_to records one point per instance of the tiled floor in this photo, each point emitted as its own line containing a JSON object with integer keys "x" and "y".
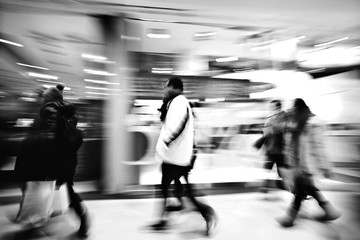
{"x": 241, "y": 216}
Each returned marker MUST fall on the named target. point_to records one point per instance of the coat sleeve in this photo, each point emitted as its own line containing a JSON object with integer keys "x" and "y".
{"x": 318, "y": 148}
{"x": 176, "y": 120}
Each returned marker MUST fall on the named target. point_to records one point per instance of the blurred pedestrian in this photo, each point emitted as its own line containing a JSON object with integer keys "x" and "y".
{"x": 72, "y": 141}
{"x": 57, "y": 159}
{"x": 273, "y": 134}
{"x": 307, "y": 157}
{"x": 175, "y": 150}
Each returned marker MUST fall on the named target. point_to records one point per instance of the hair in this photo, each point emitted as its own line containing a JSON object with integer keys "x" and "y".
{"x": 176, "y": 83}
{"x": 276, "y": 102}
{"x": 302, "y": 113}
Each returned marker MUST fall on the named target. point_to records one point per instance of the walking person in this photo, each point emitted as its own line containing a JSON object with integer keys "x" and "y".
{"x": 273, "y": 133}
{"x": 72, "y": 139}
{"x": 175, "y": 151}
{"x": 306, "y": 155}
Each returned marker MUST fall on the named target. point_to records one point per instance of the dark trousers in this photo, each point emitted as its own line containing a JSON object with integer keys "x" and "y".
{"x": 171, "y": 172}
{"x": 304, "y": 186}
{"x": 75, "y": 200}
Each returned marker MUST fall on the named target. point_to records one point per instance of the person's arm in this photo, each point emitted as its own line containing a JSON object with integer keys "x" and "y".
{"x": 176, "y": 120}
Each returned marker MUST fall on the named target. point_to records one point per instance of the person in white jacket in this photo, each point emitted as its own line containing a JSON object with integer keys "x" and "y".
{"x": 174, "y": 149}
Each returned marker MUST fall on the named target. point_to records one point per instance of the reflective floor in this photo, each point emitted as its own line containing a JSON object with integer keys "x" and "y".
{"x": 241, "y": 216}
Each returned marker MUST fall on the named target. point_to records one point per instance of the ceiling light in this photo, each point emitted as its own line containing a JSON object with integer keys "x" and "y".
{"x": 158, "y": 33}
{"x": 97, "y": 93}
{"x": 32, "y": 66}
{"x": 227, "y": 59}
{"x": 97, "y": 72}
{"x": 331, "y": 42}
{"x": 32, "y": 74}
{"x": 100, "y": 82}
{"x": 162, "y": 70}
{"x": 97, "y": 88}
{"x": 205, "y": 34}
{"x": 154, "y": 35}
{"x": 48, "y": 81}
{"x": 11, "y": 43}
{"x": 93, "y": 57}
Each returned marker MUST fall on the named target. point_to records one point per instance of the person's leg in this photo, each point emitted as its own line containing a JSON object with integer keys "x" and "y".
{"x": 283, "y": 172}
{"x": 300, "y": 194}
{"x": 268, "y": 165}
{"x": 206, "y": 211}
{"x": 169, "y": 173}
{"x": 178, "y": 193}
{"x": 330, "y": 212}
{"x": 79, "y": 208}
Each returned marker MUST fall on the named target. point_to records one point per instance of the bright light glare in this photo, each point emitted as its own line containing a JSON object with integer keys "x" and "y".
{"x": 154, "y": 35}
{"x": 32, "y": 66}
{"x": 32, "y": 74}
{"x": 11, "y": 43}
{"x": 93, "y": 57}
{"x": 97, "y": 72}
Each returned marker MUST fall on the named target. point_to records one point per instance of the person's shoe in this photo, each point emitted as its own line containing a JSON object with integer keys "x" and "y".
{"x": 211, "y": 222}
{"x": 84, "y": 225}
{"x": 159, "y": 226}
{"x": 288, "y": 220}
{"x": 174, "y": 208}
{"x": 330, "y": 213}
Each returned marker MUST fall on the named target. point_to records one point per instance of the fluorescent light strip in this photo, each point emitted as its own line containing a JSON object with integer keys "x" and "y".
{"x": 157, "y": 35}
{"x": 96, "y": 88}
{"x": 100, "y": 82}
{"x": 11, "y": 43}
{"x": 205, "y": 34}
{"x": 48, "y": 81}
{"x": 160, "y": 71}
{"x": 32, "y": 66}
{"x": 331, "y": 42}
{"x": 214, "y": 99}
{"x": 32, "y": 74}
{"x": 97, "y": 93}
{"x": 227, "y": 59}
{"x": 97, "y": 72}
{"x": 94, "y": 57}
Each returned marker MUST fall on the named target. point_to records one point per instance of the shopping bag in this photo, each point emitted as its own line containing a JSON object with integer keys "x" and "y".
{"x": 35, "y": 205}
{"x": 61, "y": 201}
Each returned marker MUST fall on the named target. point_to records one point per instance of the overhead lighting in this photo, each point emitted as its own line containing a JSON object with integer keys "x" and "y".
{"x": 11, "y": 43}
{"x": 162, "y": 70}
{"x": 154, "y": 35}
{"x": 100, "y": 82}
{"x": 331, "y": 42}
{"x": 32, "y": 74}
{"x": 97, "y": 93}
{"x": 214, "y": 99}
{"x": 31, "y": 66}
{"x": 48, "y": 81}
{"x": 93, "y": 57}
{"x": 96, "y": 88}
{"x": 97, "y": 72}
{"x": 227, "y": 59}
{"x": 158, "y": 33}
{"x": 205, "y": 34}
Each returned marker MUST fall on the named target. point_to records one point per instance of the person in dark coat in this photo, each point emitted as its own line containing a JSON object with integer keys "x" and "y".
{"x": 51, "y": 153}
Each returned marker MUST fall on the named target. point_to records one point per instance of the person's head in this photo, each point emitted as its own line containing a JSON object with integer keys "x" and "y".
{"x": 275, "y": 105}
{"x": 53, "y": 94}
{"x": 173, "y": 87}
{"x": 301, "y": 112}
